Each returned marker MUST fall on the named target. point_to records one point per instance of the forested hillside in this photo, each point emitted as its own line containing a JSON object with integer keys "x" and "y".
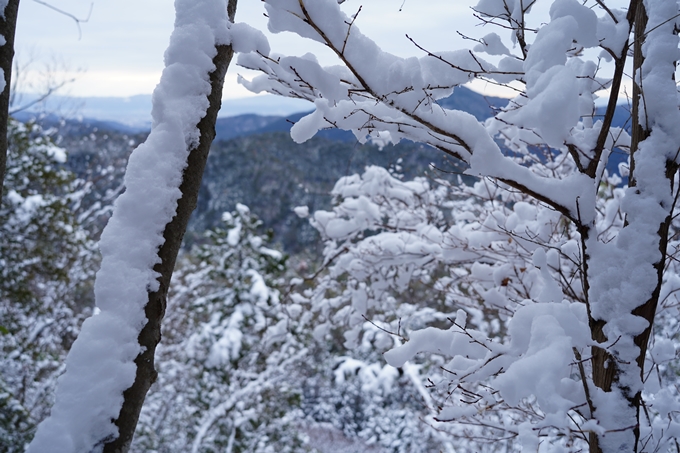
{"x": 255, "y": 162}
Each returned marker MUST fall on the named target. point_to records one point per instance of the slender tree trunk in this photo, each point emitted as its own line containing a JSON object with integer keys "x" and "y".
{"x": 641, "y": 132}
{"x": 7, "y": 28}
{"x": 605, "y": 368}
{"x": 150, "y": 335}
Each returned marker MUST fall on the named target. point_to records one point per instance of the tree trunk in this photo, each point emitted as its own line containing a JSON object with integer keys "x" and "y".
{"x": 605, "y": 368}
{"x": 7, "y": 28}
{"x": 174, "y": 231}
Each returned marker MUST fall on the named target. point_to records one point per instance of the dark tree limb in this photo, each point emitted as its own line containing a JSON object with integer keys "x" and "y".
{"x": 7, "y": 29}
{"x": 619, "y": 64}
{"x": 150, "y": 335}
{"x": 605, "y": 367}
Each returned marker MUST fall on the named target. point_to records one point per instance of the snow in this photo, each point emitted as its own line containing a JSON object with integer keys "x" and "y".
{"x": 492, "y": 44}
{"x": 301, "y": 211}
{"x": 558, "y": 95}
{"x": 58, "y": 154}
{"x": 234, "y": 234}
{"x": 555, "y": 110}
{"x": 663, "y": 351}
{"x": 636, "y": 251}
{"x": 552, "y": 106}
{"x": 100, "y": 365}
{"x": 586, "y": 20}
{"x": 512, "y": 247}
{"x": 550, "y": 138}
{"x": 26, "y": 207}
{"x": 512, "y": 8}
{"x": 228, "y": 347}
{"x": 245, "y": 39}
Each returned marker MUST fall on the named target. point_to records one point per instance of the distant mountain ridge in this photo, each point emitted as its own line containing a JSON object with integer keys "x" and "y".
{"x": 247, "y": 124}
{"x": 238, "y": 117}
{"x": 135, "y": 111}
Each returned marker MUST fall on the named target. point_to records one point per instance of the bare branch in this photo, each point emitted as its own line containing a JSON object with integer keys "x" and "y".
{"x": 77, "y": 20}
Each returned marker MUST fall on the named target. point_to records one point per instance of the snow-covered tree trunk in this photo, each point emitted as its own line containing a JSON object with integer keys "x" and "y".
{"x": 167, "y": 254}
{"x": 111, "y": 365}
{"x": 8, "y": 21}
{"x": 615, "y": 312}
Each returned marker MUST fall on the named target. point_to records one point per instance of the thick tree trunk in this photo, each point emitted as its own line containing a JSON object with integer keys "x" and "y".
{"x": 150, "y": 335}
{"x": 7, "y": 29}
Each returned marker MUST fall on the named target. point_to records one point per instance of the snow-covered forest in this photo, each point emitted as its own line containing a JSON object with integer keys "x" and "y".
{"x": 489, "y": 274}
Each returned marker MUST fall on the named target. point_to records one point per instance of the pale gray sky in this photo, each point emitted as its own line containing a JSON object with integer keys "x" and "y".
{"x": 122, "y": 45}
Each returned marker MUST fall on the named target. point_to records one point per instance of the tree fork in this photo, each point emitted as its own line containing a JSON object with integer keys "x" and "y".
{"x": 173, "y": 234}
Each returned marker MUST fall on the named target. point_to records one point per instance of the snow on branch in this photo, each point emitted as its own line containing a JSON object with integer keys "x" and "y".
{"x": 376, "y": 94}
{"x": 579, "y": 291}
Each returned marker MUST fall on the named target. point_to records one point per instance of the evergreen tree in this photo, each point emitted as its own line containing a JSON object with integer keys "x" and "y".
{"x": 44, "y": 267}
{"x": 227, "y": 362}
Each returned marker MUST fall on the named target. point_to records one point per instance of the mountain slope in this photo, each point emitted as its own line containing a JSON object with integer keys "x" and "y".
{"x": 255, "y": 162}
{"x": 272, "y": 174}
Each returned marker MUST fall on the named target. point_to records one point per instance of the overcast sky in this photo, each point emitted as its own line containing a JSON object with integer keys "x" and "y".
{"x": 121, "y": 48}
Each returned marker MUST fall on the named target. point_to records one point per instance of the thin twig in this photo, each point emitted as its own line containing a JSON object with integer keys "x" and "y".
{"x": 67, "y": 14}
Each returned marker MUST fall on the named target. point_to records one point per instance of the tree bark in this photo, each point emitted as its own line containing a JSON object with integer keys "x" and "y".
{"x": 605, "y": 368}
{"x": 7, "y": 28}
{"x": 641, "y": 132}
{"x": 174, "y": 231}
